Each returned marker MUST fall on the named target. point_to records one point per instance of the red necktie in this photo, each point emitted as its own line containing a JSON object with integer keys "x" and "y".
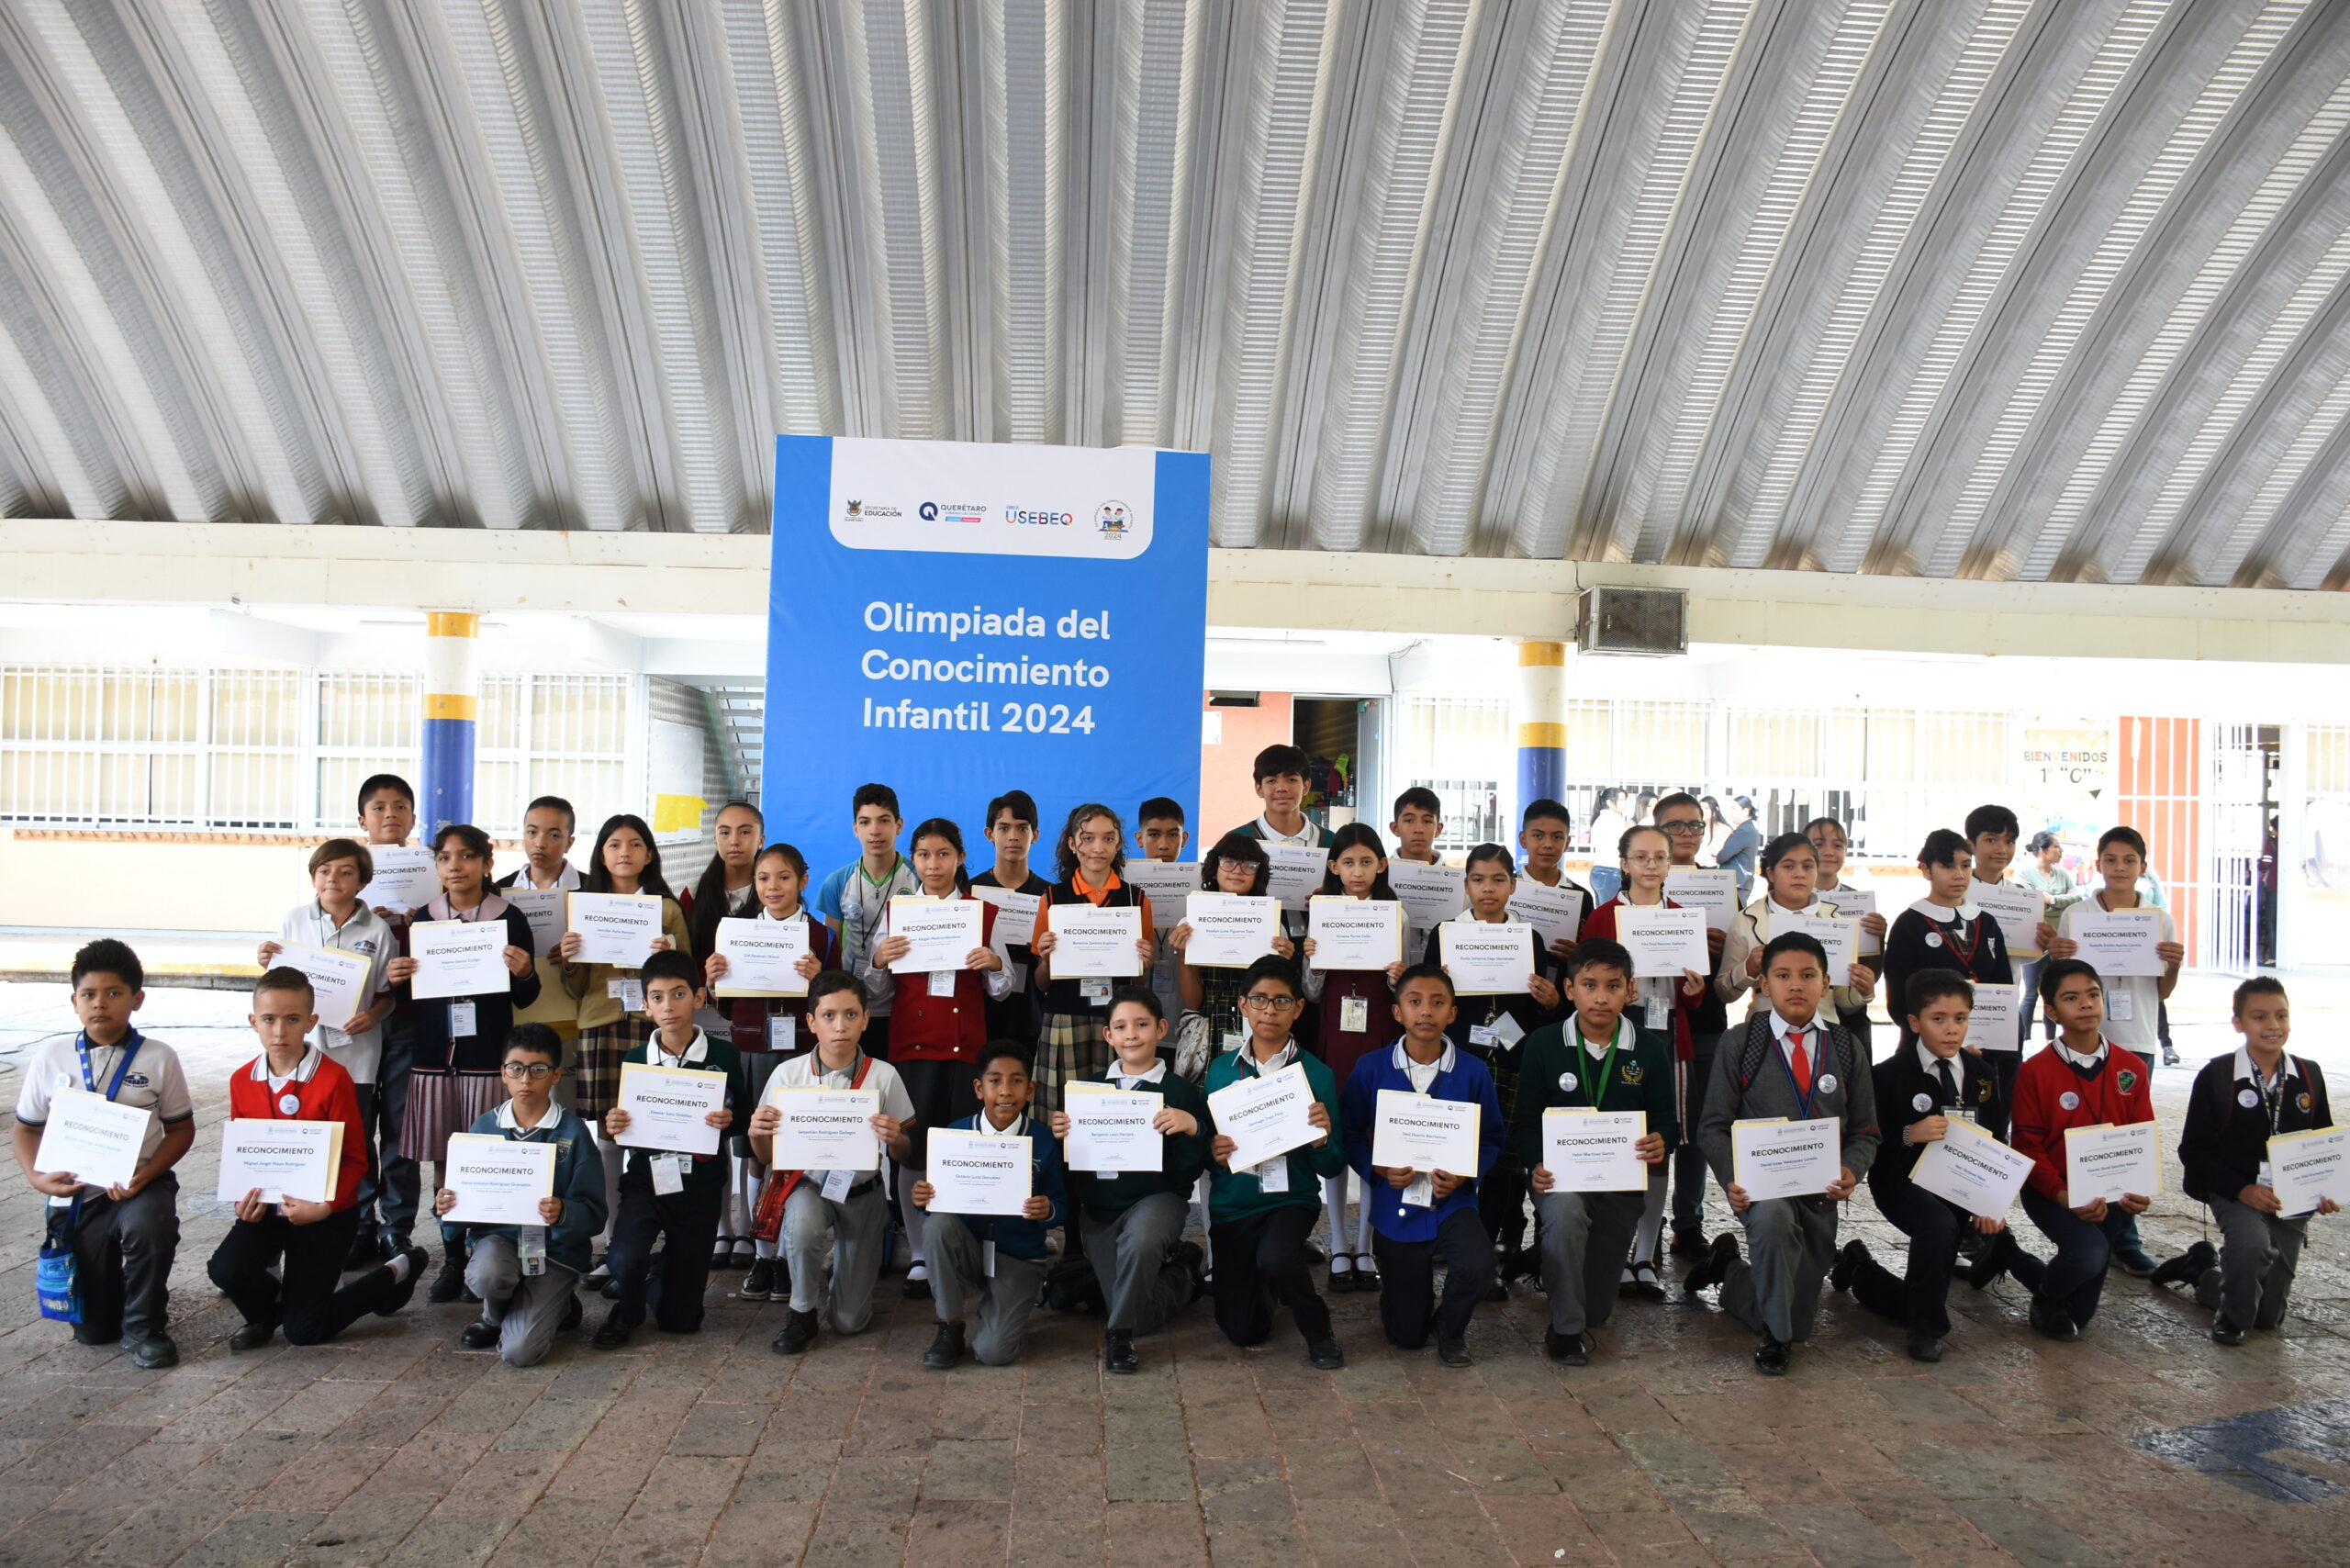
{"x": 1801, "y": 1060}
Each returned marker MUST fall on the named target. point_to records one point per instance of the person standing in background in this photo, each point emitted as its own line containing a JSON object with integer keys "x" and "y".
{"x": 1740, "y": 845}
{"x": 2045, "y": 875}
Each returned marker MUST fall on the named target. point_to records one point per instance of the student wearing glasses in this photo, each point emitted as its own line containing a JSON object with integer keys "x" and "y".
{"x": 1683, "y": 821}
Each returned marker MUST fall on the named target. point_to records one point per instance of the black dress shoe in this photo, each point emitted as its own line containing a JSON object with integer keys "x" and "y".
{"x": 366, "y": 1251}
{"x": 917, "y": 1289}
{"x": 403, "y": 1290}
{"x": 799, "y": 1333}
{"x": 574, "y": 1312}
{"x": 2224, "y": 1332}
{"x": 151, "y": 1352}
{"x": 1498, "y": 1290}
{"x": 1992, "y": 1261}
{"x": 481, "y": 1334}
{"x": 252, "y": 1336}
{"x": 2187, "y": 1268}
{"x": 1848, "y": 1263}
{"x": 1567, "y": 1350}
{"x": 449, "y": 1283}
{"x": 1326, "y": 1355}
{"x": 945, "y": 1347}
{"x": 1925, "y": 1346}
{"x": 1118, "y": 1353}
{"x": 1771, "y": 1357}
{"x": 1688, "y": 1244}
{"x": 1454, "y": 1353}
{"x": 2053, "y": 1322}
{"x": 612, "y": 1333}
{"x": 1715, "y": 1267}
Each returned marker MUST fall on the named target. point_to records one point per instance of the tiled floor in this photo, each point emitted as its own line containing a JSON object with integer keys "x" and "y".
{"x": 2143, "y": 1445}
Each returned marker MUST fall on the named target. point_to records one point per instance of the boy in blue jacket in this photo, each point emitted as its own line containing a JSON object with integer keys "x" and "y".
{"x": 525, "y": 1275}
{"x": 1412, "y": 1227}
{"x": 998, "y": 1257}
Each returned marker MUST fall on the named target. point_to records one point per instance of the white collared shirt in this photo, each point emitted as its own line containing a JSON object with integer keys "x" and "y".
{"x": 1815, "y": 1040}
{"x": 1270, "y": 1065}
{"x": 1626, "y": 1032}
{"x": 366, "y": 933}
{"x": 304, "y": 1071}
{"x": 567, "y": 879}
{"x": 1933, "y": 1064}
{"x": 1306, "y": 838}
{"x": 697, "y": 1051}
{"x": 1942, "y": 915}
{"x": 1422, "y": 1073}
{"x": 2248, "y": 1072}
{"x": 1124, "y": 1080}
{"x": 508, "y": 1122}
{"x": 2076, "y": 1059}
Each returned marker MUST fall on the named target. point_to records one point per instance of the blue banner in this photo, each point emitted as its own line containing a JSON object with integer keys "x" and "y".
{"x": 956, "y": 619}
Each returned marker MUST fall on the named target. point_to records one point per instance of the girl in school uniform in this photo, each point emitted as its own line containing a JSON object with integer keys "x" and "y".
{"x": 460, "y": 1040}
{"x": 1357, "y": 1016}
{"x": 1491, "y": 1028}
{"x": 1644, "y": 855}
{"x": 767, "y": 1029}
{"x": 724, "y": 892}
{"x": 940, "y": 1021}
{"x": 1072, "y": 1043}
{"x": 1947, "y": 930}
{"x": 1238, "y": 865}
{"x": 1790, "y": 874}
{"x": 1830, "y": 843}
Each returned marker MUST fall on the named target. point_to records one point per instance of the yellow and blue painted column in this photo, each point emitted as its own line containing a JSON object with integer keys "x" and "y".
{"x": 1542, "y": 722}
{"x": 452, "y": 711}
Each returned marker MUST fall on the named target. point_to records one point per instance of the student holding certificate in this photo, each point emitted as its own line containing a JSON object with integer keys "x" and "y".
{"x": 1791, "y": 1064}
{"x": 1354, "y": 1016}
{"x": 1921, "y": 1090}
{"x": 625, "y": 861}
{"x": 1947, "y": 930}
{"x": 1089, "y": 856}
{"x": 123, "y": 1235}
{"x": 1421, "y": 1215}
{"x": 2239, "y": 1102}
{"x": 1237, "y": 865}
{"x": 2081, "y": 1081}
{"x": 1544, "y": 829}
{"x": 1263, "y": 1214}
{"x": 1014, "y": 829}
{"x": 305, "y": 1241}
{"x": 1416, "y": 821}
{"x": 1791, "y": 878}
{"x": 669, "y": 1195}
{"x": 1601, "y": 1061}
{"x": 525, "y": 1275}
{"x": 1132, "y": 1220}
{"x": 1832, "y": 844}
{"x": 458, "y": 1041}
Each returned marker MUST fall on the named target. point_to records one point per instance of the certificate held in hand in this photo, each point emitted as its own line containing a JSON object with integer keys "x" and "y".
{"x": 405, "y": 878}
{"x": 1110, "y": 1129}
{"x": 1662, "y": 942}
{"x": 1994, "y": 1024}
{"x": 1095, "y": 942}
{"x": 1424, "y": 1133}
{"x": 1485, "y": 959}
{"x": 458, "y": 957}
{"x": 762, "y": 957}
{"x": 1431, "y": 894}
{"x": 1972, "y": 1170}
{"x": 497, "y": 1180}
{"x": 1786, "y": 1160}
{"x": 618, "y": 929}
{"x": 284, "y": 1159}
{"x": 2305, "y": 1167}
{"x": 1592, "y": 1151}
{"x": 2111, "y": 1160}
{"x": 542, "y": 907}
{"x": 1168, "y": 883}
{"x": 1297, "y": 873}
{"x": 1556, "y": 913}
{"x": 338, "y": 980}
{"x": 824, "y": 1129}
{"x": 1703, "y": 887}
{"x": 1264, "y": 1116}
{"x": 91, "y": 1138}
{"x": 1355, "y": 933}
{"x": 2018, "y": 909}
{"x": 665, "y": 1106}
{"x": 977, "y": 1173}
{"x": 941, "y": 933}
{"x": 1230, "y": 931}
{"x": 1839, "y": 937}
{"x": 2118, "y": 942}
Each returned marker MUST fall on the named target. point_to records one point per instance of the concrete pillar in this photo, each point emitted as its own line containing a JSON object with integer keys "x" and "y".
{"x": 1541, "y": 722}
{"x": 452, "y": 716}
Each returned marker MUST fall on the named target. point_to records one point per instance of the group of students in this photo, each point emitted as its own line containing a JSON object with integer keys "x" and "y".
{"x": 996, "y": 1045}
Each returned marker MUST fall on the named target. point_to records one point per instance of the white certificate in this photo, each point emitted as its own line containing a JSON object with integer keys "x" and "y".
{"x": 2305, "y": 1167}
{"x": 405, "y": 878}
{"x": 2111, "y": 1160}
{"x": 1591, "y": 1152}
{"x": 1786, "y": 1160}
{"x": 1355, "y": 933}
{"x": 458, "y": 957}
{"x": 615, "y": 928}
{"x": 1431, "y": 894}
{"x": 762, "y": 957}
{"x": 497, "y": 1180}
{"x": 1855, "y": 902}
{"x": 2118, "y": 942}
{"x": 338, "y": 980}
{"x": 2018, "y": 910}
{"x": 1662, "y": 942}
{"x": 1972, "y": 1170}
{"x": 1486, "y": 959}
{"x": 542, "y": 907}
{"x": 1264, "y": 1116}
{"x": 1110, "y": 1128}
{"x": 665, "y": 1106}
{"x": 1297, "y": 874}
{"x": 1230, "y": 931}
{"x": 284, "y": 1160}
{"x": 943, "y": 931}
{"x": 1701, "y": 887}
{"x": 1095, "y": 942}
{"x": 91, "y": 1138}
{"x": 1015, "y": 918}
{"x": 1425, "y": 1133}
{"x": 1995, "y": 1025}
{"x": 1556, "y": 913}
{"x": 977, "y": 1173}
{"x": 1168, "y": 883}
{"x": 1839, "y": 934}
{"x": 824, "y": 1129}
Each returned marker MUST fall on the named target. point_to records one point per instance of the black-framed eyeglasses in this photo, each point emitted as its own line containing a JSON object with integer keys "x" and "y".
{"x": 1270, "y": 1003}
{"x": 1681, "y": 827}
{"x": 533, "y": 1070}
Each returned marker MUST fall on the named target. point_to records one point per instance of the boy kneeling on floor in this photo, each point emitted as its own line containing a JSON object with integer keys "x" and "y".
{"x": 999, "y": 1258}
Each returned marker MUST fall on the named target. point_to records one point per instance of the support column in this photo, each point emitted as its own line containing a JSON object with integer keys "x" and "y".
{"x": 1542, "y": 722}
{"x": 452, "y": 705}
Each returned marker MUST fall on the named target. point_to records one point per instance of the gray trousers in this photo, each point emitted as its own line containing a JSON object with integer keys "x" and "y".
{"x": 959, "y": 1272}
{"x": 1775, "y": 1289}
{"x": 527, "y": 1308}
{"x": 1584, "y": 1239}
{"x": 2258, "y": 1253}
{"x": 1133, "y": 1256}
{"x": 858, "y": 1231}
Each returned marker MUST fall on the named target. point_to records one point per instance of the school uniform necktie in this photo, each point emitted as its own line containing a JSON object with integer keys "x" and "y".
{"x": 1950, "y": 1086}
{"x": 1800, "y": 1061}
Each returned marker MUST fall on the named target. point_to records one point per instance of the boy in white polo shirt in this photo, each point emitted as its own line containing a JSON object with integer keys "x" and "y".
{"x": 125, "y": 1237}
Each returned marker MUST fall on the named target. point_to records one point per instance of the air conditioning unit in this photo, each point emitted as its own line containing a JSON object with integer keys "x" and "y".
{"x": 1644, "y": 621}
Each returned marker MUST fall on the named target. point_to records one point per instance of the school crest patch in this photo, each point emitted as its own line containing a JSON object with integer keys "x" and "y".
{"x": 2304, "y": 1099}
{"x": 2127, "y": 1079}
{"x": 1634, "y": 1072}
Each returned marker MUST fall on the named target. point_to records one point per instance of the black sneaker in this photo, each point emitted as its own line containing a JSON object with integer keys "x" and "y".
{"x": 1991, "y": 1262}
{"x": 1773, "y": 1356}
{"x": 799, "y": 1333}
{"x": 2224, "y": 1332}
{"x": 1326, "y": 1355}
{"x": 1454, "y": 1353}
{"x": 151, "y": 1352}
{"x": 1118, "y": 1353}
{"x": 252, "y": 1336}
{"x": 945, "y": 1347}
{"x": 404, "y": 1290}
{"x": 449, "y": 1284}
{"x": 613, "y": 1332}
{"x": 1848, "y": 1263}
{"x": 1714, "y": 1268}
{"x": 481, "y": 1334}
{"x": 1567, "y": 1350}
{"x": 759, "y": 1283}
{"x": 2187, "y": 1268}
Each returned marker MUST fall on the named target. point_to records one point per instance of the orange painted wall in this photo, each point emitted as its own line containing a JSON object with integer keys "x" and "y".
{"x": 1227, "y": 796}
{"x": 2159, "y": 792}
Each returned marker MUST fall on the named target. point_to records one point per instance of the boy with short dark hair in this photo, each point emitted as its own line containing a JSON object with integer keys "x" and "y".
{"x": 674, "y": 1196}
{"x": 1160, "y": 834}
{"x": 853, "y": 898}
{"x": 1597, "y": 1060}
{"x": 394, "y": 1187}
{"x": 1279, "y": 773}
{"x": 526, "y": 1281}
{"x": 124, "y": 1237}
{"x": 1418, "y": 820}
{"x": 550, "y": 827}
{"x": 1000, "y": 1259}
{"x": 1791, "y": 1064}
{"x": 304, "y": 1240}
{"x": 1013, "y": 829}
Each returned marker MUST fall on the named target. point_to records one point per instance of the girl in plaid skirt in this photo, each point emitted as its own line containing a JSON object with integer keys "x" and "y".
{"x": 1072, "y": 1045}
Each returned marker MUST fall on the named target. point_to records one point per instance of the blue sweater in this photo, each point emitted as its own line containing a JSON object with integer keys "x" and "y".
{"x": 1466, "y": 1081}
{"x": 578, "y": 1182}
{"x": 1014, "y": 1235}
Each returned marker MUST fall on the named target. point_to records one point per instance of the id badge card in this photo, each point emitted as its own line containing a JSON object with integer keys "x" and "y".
{"x": 1420, "y": 1193}
{"x": 668, "y": 1174}
{"x": 987, "y": 1259}
{"x": 2267, "y": 1177}
{"x": 783, "y": 1034}
{"x": 1507, "y": 1031}
{"x": 1094, "y": 990}
{"x": 2119, "y": 1006}
{"x": 942, "y": 982}
{"x": 462, "y": 1024}
{"x": 1234, "y": 1040}
{"x": 1273, "y": 1175}
{"x": 629, "y": 994}
{"x": 1481, "y": 1036}
{"x": 1354, "y": 1014}
{"x": 837, "y": 1185}
{"x": 533, "y": 1248}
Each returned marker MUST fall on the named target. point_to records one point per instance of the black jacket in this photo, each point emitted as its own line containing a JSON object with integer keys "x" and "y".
{"x": 2226, "y": 1142}
{"x": 1901, "y": 1079}
{"x": 1983, "y": 958}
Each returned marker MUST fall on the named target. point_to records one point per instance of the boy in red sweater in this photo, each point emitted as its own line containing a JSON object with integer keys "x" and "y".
{"x": 292, "y": 1080}
{"x": 2080, "y": 1082}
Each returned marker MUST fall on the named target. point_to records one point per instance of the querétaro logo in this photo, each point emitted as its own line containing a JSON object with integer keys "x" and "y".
{"x": 1026, "y": 517}
{"x": 952, "y": 511}
{"x": 1111, "y": 518}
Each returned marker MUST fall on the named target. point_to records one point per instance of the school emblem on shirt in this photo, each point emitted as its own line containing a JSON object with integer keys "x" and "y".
{"x": 2070, "y": 1101}
{"x": 287, "y": 1104}
{"x": 2247, "y": 1098}
{"x": 1933, "y": 938}
{"x": 1634, "y": 1072}
{"x": 1921, "y": 1101}
{"x": 2303, "y": 1100}
{"x": 2127, "y": 1079}
{"x": 1827, "y": 1084}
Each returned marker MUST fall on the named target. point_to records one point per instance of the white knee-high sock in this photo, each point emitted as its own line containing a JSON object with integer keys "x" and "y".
{"x": 910, "y": 1217}
{"x": 1334, "y": 1201}
{"x": 1651, "y": 1219}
